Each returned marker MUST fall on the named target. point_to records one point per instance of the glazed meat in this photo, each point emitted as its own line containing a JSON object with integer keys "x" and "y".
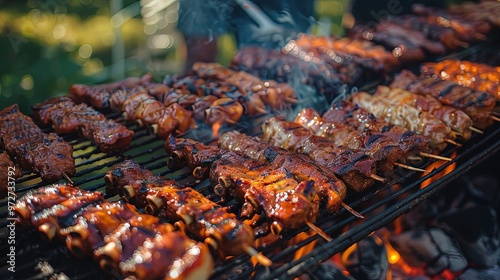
{"x": 9, "y": 172}
{"x": 478, "y": 105}
{"x": 47, "y": 154}
{"x": 67, "y": 117}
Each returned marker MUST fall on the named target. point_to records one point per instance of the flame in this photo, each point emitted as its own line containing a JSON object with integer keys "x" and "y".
{"x": 439, "y": 175}
{"x": 215, "y": 129}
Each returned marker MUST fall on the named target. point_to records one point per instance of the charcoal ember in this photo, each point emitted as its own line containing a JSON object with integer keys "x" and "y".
{"x": 481, "y": 274}
{"x": 325, "y": 271}
{"x": 421, "y": 215}
{"x": 476, "y": 230}
{"x": 367, "y": 259}
{"x": 430, "y": 248}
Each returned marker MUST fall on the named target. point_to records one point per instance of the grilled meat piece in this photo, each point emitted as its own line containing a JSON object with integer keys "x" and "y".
{"x": 9, "y": 172}
{"x": 468, "y": 74}
{"x": 257, "y": 184}
{"x": 330, "y": 188}
{"x": 276, "y": 95}
{"x": 98, "y": 96}
{"x": 457, "y": 120}
{"x": 123, "y": 174}
{"x": 88, "y": 230}
{"x": 406, "y": 116}
{"x": 47, "y": 154}
{"x": 67, "y": 117}
{"x": 478, "y": 105}
{"x": 354, "y": 168}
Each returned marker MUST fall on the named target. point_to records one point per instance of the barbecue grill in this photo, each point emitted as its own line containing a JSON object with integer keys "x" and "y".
{"x": 36, "y": 259}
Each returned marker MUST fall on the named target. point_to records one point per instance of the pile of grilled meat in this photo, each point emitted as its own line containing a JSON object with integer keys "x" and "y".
{"x": 296, "y": 171}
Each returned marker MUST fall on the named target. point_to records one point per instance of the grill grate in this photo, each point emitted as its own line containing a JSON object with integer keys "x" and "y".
{"x": 36, "y": 259}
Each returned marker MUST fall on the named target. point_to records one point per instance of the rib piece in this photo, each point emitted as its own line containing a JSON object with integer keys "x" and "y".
{"x": 67, "y": 117}
{"x": 47, "y": 154}
{"x": 330, "y": 188}
{"x": 478, "y": 105}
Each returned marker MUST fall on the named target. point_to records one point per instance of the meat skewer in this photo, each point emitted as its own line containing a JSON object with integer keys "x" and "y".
{"x": 408, "y": 117}
{"x": 350, "y": 114}
{"x": 478, "y": 105}
{"x": 331, "y": 189}
{"x": 477, "y": 76}
{"x": 119, "y": 237}
{"x": 289, "y": 201}
{"x": 67, "y": 117}
{"x": 193, "y": 212}
{"x": 457, "y": 120}
{"x": 47, "y": 154}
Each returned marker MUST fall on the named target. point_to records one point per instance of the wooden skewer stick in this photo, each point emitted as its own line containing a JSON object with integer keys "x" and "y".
{"x": 261, "y": 110}
{"x": 378, "y": 178}
{"x": 291, "y": 100}
{"x": 354, "y": 212}
{"x": 476, "y": 130}
{"x": 497, "y": 119}
{"x": 452, "y": 142}
{"x": 434, "y": 156}
{"x": 263, "y": 260}
{"x": 68, "y": 179}
{"x": 415, "y": 158}
{"x": 319, "y": 231}
{"x": 410, "y": 167}
{"x": 456, "y": 133}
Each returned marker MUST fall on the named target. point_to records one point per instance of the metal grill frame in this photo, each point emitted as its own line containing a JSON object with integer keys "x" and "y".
{"x": 148, "y": 151}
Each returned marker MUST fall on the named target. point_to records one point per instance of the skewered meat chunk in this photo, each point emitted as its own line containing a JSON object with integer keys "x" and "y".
{"x": 9, "y": 172}
{"x": 406, "y": 116}
{"x": 88, "y": 230}
{"x": 47, "y": 154}
{"x": 67, "y": 117}
{"x": 478, "y": 105}
{"x": 468, "y": 74}
{"x": 123, "y": 174}
{"x": 330, "y": 188}
{"x": 98, "y": 96}
{"x": 353, "y": 168}
{"x": 199, "y": 216}
{"x": 258, "y": 185}
{"x": 457, "y": 120}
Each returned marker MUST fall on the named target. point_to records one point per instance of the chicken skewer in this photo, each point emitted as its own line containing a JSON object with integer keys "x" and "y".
{"x": 457, "y": 120}
{"x": 408, "y": 117}
{"x": 193, "y": 212}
